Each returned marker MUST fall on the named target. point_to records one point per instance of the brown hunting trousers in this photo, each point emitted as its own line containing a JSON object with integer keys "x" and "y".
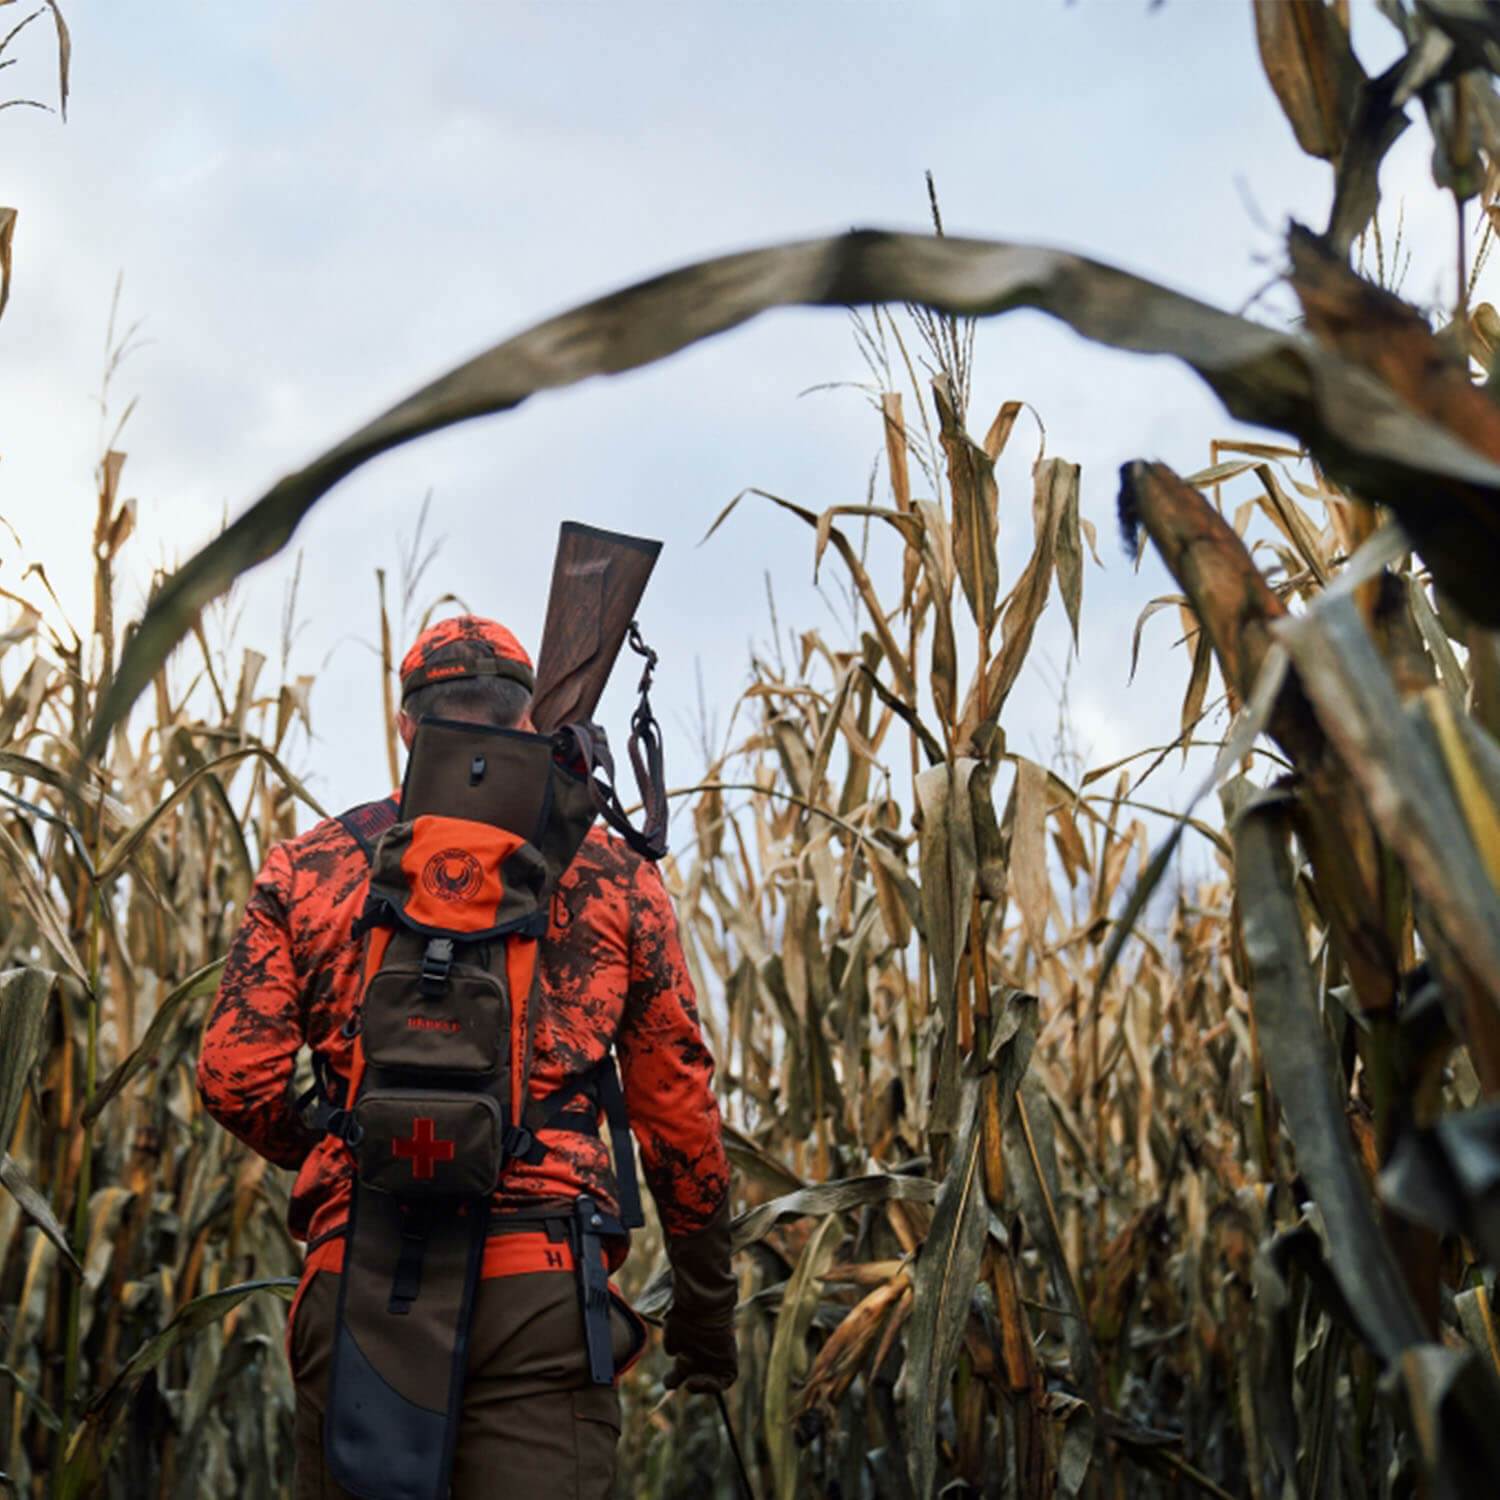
{"x": 532, "y": 1422}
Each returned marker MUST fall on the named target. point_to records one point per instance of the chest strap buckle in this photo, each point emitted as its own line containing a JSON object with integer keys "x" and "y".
{"x": 437, "y": 960}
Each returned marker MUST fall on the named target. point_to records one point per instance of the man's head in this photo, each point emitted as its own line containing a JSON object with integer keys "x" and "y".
{"x": 465, "y": 668}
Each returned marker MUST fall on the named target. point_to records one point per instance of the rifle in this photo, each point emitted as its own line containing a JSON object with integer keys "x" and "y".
{"x": 598, "y": 578}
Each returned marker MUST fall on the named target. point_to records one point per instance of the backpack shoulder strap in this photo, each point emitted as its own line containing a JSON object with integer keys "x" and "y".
{"x": 365, "y": 823}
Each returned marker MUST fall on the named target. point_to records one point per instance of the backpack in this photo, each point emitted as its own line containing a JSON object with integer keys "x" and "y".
{"x": 437, "y": 1104}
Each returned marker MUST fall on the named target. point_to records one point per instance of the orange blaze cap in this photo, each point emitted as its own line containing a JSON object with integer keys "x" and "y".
{"x": 510, "y": 658}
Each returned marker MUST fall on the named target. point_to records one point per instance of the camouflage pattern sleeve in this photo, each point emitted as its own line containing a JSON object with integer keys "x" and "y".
{"x": 255, "y": 1028}
{"x": 666, "y": 1069}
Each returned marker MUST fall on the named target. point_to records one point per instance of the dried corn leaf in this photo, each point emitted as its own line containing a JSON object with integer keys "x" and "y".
{"x": 1301, "y": 1070}
{"x": 1056, "y": 489}
{"x": 1395, "y": 761}
{"x": 1068, "y": 554}
{"x": 949, "y": 869}
{"x": 976, "y": 501}
{"x": 64, "y": 56}
{"x": 1466, "y": 775}
{"x": 943, "y": 1283}
{"x": 25, "y": 996}
{"x": 1304, "y": 47}
{"x": 1030, "y": 880}
{"x": 787, "y": 1362}
{"x": 1455, "y": 1411}
{"x": 96, "y": 1435}
{"x": 37, "y": 901}
{"x": 7, "y": 241}
{"x": 1197, "y": 688}
{"x": 194, "y": 987}
{"x": 121, "y": 850}
{"x": 831, "y": 1198}
{"x": 34, "y": 1202}
{"x": 1361, "y": 432}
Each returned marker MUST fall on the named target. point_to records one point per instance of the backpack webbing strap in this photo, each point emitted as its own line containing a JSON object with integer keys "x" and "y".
{"x": 603, "y": 1082}
{"x": 321, "y": 1105}
{"x": 593, "y": 750}
{"x": 406, "y": 1284}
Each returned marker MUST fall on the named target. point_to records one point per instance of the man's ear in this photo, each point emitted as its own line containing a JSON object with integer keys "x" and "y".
{"x": 406, "y": 727}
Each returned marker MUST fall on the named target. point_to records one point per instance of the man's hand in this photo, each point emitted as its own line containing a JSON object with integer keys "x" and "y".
{"x": 706, "y": 1356}
{"x": 699, "y": 1328}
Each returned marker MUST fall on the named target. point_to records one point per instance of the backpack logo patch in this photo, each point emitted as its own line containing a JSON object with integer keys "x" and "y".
{"x": 452, "y": 875}
{"x": 433, "y": 1023}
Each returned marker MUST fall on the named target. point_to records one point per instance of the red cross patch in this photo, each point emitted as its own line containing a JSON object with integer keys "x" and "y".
{"x": 423, "y": 1148}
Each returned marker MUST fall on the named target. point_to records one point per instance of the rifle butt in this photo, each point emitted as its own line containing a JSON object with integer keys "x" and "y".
{"x": 598, "y": 578}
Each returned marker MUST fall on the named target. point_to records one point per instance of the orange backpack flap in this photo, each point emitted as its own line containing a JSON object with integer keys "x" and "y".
{"x": 453, "y": 877}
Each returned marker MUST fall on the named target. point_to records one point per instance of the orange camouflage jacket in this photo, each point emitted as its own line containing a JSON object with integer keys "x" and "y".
{"x": 612, "y": 974}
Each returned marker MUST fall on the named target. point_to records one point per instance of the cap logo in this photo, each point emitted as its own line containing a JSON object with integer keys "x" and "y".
{"x": 452, "y": 875}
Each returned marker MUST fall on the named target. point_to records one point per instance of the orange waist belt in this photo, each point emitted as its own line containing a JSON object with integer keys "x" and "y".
{"x": 504, "y": 1255}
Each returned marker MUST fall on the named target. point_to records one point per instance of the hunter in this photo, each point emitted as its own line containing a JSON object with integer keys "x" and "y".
{"x": 610, "y": 978}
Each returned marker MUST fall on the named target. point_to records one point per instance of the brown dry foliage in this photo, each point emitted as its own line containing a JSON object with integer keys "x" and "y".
{"x": 1036, "y": 1197}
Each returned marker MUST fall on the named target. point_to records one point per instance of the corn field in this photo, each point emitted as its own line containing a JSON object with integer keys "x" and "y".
{"x": 1089, "y": 1140}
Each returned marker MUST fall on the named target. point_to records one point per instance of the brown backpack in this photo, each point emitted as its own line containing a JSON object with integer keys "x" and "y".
{"x": 437, "y": 1105}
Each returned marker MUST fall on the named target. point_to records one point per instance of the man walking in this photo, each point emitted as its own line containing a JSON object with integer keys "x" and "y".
{"x": 611, "y": 977}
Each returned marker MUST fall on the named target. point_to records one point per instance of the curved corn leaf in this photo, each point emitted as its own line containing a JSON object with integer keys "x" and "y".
{"x": 824, "y": 1199}
{"x": 1362, "y": 433}
{"x": 831, "y": 1198}
{"x": 129, "y": 841}
{"x": 31, "y": 1198}
{"x": 16, "y": 764}
{"x": 74, "y": 836}
{"x": 753, "y": 1161}
{"x": 45, "y": 1415}
{"x": 190, "y": 1319}
{"x": 40, "y": 906}
{"x": 95, "y": 1437}
{"x": 1301, "y": 1069}
{"x": 203, "y": 982}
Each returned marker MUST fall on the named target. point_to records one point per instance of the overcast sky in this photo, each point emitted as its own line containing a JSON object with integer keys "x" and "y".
{"x": 316, "y": 207}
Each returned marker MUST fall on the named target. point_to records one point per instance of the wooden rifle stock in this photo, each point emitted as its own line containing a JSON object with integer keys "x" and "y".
{"x": 597, "y": 582}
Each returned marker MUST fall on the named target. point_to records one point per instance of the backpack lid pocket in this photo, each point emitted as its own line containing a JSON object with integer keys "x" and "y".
{"x": 458, "y": 1031}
